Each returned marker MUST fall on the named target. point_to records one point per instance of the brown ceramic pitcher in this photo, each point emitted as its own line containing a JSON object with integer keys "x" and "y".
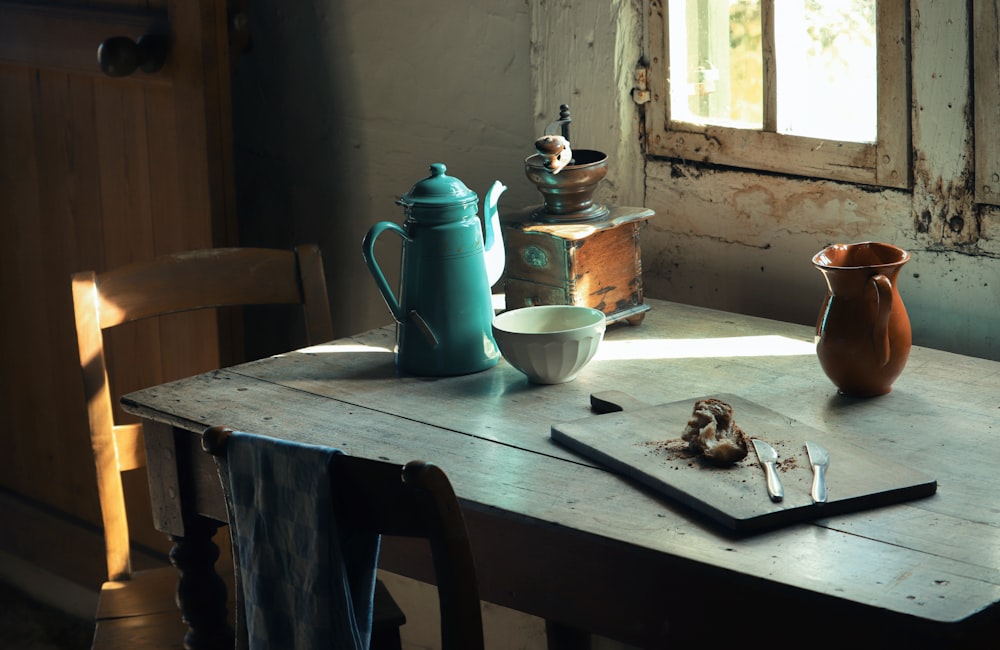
{"x": 863, "y": 332}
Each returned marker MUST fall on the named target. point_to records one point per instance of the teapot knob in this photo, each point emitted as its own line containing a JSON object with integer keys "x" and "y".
{"x": 437, "y": 191}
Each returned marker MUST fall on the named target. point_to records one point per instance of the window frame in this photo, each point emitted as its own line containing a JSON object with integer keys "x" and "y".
{"x": 884, "y": 163}
{"x": 986, "y": 84}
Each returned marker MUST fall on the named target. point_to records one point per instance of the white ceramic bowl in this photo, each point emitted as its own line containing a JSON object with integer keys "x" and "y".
{"x": 549, "y": 343}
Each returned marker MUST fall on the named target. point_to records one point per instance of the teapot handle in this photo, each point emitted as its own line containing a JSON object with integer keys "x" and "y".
{"x": 883, "y": 309}
{"x": 368, "y": 251}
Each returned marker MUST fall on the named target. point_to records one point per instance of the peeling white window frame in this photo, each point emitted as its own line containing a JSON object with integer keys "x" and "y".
{"x": 884, "y": 163}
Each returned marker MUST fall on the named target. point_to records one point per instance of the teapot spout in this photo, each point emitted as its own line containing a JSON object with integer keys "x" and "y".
{"x": 492, "y": 236}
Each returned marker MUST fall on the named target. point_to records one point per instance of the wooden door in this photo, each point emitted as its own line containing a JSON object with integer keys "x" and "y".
{"x": 95, "y": 172}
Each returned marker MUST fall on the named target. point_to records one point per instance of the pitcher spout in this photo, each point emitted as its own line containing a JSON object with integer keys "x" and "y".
{"x": 492, "y": 236}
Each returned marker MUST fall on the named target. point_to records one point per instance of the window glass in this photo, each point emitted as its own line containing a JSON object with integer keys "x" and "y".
{"x": 824, "y": 66}
{"x": 715, "y": 51}
{"x": 826, "y": 69}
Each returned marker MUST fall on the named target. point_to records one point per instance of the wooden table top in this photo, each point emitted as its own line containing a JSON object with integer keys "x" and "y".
{"x": 933, "y": 561}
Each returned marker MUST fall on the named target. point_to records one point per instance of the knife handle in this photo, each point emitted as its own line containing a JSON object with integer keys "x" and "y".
{"x": 774, "y": 489}
{"x": 819, "y": 484}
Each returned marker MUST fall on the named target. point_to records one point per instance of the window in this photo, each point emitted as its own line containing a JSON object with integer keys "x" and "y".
{"x": 814, "y": 88}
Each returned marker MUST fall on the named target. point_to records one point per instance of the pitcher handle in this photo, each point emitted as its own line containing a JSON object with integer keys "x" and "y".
{"x": 880, "y": 329}
{"x": 368, "y": 251}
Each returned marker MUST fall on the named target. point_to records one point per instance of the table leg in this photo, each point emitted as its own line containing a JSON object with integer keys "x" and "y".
{"x": 201, "y": 593}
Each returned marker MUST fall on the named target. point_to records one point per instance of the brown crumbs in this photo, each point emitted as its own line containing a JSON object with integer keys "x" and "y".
{"x": 673, "y": 449}
{"x": 788, "y": 464}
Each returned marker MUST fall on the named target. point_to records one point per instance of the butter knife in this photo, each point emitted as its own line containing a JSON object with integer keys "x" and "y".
{"x": 820, "y": 460}
{"x": 768, "y": 458}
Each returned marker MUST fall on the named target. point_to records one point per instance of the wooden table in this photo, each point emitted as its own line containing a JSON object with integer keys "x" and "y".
{"x": 561, "y": 538}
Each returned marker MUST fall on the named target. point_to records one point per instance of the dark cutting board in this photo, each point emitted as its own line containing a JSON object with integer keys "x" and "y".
{"x": 643, "y": 442}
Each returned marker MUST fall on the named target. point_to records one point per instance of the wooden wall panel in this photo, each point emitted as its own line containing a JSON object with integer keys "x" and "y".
{"x": 97, "y": 172}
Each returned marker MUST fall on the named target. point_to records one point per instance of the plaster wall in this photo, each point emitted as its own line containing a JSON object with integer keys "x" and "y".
{"x": 743, "y": 241}
{"x": 340, "y": 107}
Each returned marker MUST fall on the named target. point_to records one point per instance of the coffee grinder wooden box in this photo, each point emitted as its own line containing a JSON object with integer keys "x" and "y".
{"x": 571, "y": 250}
{"x": 595, "y": 263}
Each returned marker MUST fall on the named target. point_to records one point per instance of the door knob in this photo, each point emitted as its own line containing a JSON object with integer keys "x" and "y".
{"x": 120, "y": 56}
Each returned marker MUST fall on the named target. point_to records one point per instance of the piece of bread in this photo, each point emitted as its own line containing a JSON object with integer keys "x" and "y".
{"x": 713, "y": 433}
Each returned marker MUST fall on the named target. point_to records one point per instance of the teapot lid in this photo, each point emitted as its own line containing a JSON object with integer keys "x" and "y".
{"x": 438, "y": 190}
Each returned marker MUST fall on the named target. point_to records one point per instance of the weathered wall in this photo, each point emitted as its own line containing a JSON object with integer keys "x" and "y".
{"x": 743, "y": 241}
{"x": 340, "y": 107}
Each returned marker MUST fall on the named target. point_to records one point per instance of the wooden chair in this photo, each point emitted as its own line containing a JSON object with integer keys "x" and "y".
{"x": 138, "y": 609}
{"x": 414, "y": 500}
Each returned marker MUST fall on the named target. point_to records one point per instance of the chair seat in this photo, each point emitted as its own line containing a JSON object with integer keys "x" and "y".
{"x": 142, "y": 612}
{"x": 153, "y": 591}
{"x": 148, "y": 632}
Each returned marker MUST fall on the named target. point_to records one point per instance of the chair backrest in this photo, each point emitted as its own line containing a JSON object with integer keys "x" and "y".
{"x": 413, "y": 500}
{"x": 194, "y": 280}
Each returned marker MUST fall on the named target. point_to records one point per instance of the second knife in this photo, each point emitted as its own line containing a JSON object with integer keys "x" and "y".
{"x": 820, "y": 460}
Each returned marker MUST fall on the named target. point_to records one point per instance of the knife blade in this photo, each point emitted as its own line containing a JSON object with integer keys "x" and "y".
{"x": 820, "y": 460}
{"x": 768, "y": 458}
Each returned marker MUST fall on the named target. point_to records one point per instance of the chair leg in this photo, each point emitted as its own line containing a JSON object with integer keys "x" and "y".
{"x": 564, "y": 637}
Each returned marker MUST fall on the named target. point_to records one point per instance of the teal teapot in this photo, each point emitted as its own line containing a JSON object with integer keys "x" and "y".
{"x": 450, "y": 261}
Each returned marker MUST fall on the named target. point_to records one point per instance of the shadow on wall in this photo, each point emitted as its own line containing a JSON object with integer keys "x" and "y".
{"x": 293, "y": 158}
{"x": 339, "y": 108}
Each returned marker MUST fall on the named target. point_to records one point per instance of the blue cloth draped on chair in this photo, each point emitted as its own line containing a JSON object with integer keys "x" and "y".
{"x": 306, "y": 583}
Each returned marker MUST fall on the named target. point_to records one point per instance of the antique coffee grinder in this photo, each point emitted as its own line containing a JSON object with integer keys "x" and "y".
{"x": 570, "y": 250}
